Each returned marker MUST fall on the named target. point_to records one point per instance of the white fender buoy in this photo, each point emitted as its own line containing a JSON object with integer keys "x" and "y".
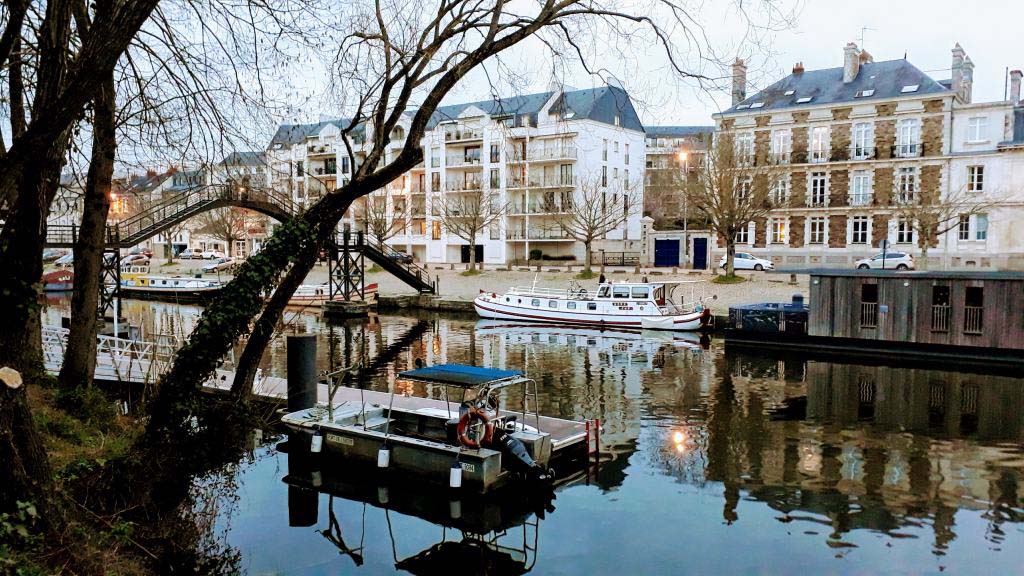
{"x": 383, "y": 457}
{"x": 455, "y": 476}
{"x": 316, "y": 443}
{"x": 455, "y": 509}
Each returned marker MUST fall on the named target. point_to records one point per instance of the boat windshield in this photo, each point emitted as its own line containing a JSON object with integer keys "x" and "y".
{"x": 659, "y": 295}
{"x": 603, "y": 291}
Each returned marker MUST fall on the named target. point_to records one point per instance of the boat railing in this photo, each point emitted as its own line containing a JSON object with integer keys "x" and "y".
{"x": 579, "y": 294}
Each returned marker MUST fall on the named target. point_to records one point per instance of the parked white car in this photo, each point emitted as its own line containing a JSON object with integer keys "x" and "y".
{"x": 212, "y": 254}
{"x": 220, "y": 265}
{"x": 891, "y": 261}
{"x": 746, "y": 261}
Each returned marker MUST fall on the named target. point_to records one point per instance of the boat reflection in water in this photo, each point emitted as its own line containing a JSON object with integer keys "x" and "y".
{"x": 475, "y": 534}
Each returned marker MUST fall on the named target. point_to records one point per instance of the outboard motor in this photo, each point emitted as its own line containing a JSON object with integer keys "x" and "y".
{"x": 518, "y": 458}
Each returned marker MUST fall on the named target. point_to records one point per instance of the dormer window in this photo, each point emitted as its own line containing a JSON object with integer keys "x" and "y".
{"x": 757, "y": 105}
{"x": 909, "y": 88}
{"x": 743, "y": 106}
{"x": 789, "y": 92}
{"x": 865, "y": 93}
{"x": 804, "y": 100}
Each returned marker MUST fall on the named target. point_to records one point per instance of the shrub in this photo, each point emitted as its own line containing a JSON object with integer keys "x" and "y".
{"x": 536, "y": 254}
{"x": 90, "y": 405}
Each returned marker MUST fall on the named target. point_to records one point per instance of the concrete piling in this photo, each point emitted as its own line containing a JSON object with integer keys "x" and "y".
{"x": 301, "y": 372}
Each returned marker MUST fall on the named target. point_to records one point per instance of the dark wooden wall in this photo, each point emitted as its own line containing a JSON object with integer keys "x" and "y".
{"x": 835, "y": 310}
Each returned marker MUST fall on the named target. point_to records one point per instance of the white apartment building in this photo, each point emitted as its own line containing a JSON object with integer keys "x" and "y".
{"x": 535, "y": 155}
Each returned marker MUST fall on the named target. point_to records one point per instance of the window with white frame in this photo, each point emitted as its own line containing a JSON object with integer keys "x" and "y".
{"x": 964, "y": 227}
{"x": 745, "y": 147}
{"x": 743, "y": 235}
{"x": 904, "y": 231}
{"x": 908, "y": 138}
{"x": 863, "y": 141}
{"x": 819, "y": 144}
{"x": 860, "y": 188}
{"x": 626, "y": 159}
{"x": 906, "y": 184}
{"x": 604, "y": 151}
{"x": 819, "y": 189}
{"x": 981, "y": 226}
{"x": 778, "y": 228}
{"x": 743, "y": 189}
{"x": 782, "y": 143}
{"x": 859, "y": 230}
{"x": 816, "y": 230}
{"x": 780, "y": 190}
{"x": 975, "y": 179}
{"x": 977, "y": 129}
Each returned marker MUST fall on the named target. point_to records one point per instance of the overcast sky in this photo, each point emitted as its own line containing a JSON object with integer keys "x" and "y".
{"x": 925, "y": 30}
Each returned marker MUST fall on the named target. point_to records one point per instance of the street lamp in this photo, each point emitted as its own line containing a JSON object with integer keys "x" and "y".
{"x": 684, "y": 157}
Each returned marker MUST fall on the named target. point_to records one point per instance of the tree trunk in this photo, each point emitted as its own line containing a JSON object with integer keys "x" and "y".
{"x": 26, "y": 472}
{"x": 80, "y": 357}
{"x": 730, "y": 255}
{"x": 587, "y": 255}
{"x": 472, "y": 253}
{"x": 922, "y": 262}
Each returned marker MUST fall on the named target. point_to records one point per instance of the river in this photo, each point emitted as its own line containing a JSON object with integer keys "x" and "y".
{"x": 713, "y": 461}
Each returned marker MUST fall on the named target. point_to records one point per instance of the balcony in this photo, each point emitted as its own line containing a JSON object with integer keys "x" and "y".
{"x": 913, "y": 150}
{"x": 545, "y": 154}
{"x": 777, "y": 158}
{"x": 539, "y": 208}
{"x": 817, "y": 201}
{"x": 538, "y": 235}
{"x": 462, "y": 162}
{"x": 417, "y": 211}
{"x": 862, "y": 199}
{"x": 417, "y": 188}
{"x": 462, "y": 186}
{"x": 819, "y": 156}
{"x": 463, "y": 135}
{"x": 862, "y": 153}
{"x": 329, "y": 171}
{"x": 319, "y": 150}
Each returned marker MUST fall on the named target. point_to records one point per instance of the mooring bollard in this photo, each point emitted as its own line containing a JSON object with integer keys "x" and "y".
{"x": 301, "y": 372}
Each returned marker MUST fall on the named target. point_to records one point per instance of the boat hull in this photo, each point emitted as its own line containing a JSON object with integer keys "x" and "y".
{"x": 491, "y": 309}
{"x": 308, "y": 295}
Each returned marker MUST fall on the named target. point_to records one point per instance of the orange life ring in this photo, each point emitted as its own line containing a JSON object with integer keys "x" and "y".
{"x": 464, "y": 422}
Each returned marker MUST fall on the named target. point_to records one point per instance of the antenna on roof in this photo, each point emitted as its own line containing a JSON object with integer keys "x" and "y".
{"x": 904, "y": 54}
{"x": 864, "y": 29}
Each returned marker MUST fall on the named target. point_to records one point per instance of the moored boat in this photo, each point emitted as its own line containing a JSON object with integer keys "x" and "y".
{"x": 137, "y": 282}
{"x": 317, "y": 294}
{"x": 645, "y": 305}
{"x": 58, "y": 281}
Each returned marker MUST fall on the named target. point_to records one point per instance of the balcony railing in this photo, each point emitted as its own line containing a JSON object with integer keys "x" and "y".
{"x": 862, "y": 199}
{"x": 817, "y": 201}
{"x": 819, "y": 156}
{"x": 539, "y": 208}
{"x": 315, "y": 149}
{"x": 973, "y": 319}
{"x": 862, "y": 152}
{"x": 776, "y": 158}
{"x": 325, "y": 171}
{"x": 459, "y": 161}
{"x": 940, "y": 318}
{"x": 417, "y": 188}
{"x": 913, "y": 150}
{"x": 457, "y": 135}
{"x": 538, "y": 235}
{"x": 462, "y": 186}
{"x": 869, "y": 314}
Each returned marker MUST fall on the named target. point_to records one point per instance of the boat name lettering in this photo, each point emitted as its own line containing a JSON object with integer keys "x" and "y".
{"x": 467, "y": 467}
{"x": 340, "y": 440}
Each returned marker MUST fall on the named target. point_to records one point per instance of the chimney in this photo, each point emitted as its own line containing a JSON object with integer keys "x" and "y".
{"x": 957, "y": 70}
{"x": 967, "y": 83}
{"x": 851, "y": 62}
{"x": 798, "y": 68}
{"x": 150, "y": 173}
{"x": 739, "y": 81}
{"x": 1015, "y": 76}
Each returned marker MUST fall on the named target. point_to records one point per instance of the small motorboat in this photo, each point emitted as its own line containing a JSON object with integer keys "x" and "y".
{"x": 475, "y": 443}
{"x": 58, "y": 281}
{"x": 317, "y": 294}
{"x": 645, "y": 305}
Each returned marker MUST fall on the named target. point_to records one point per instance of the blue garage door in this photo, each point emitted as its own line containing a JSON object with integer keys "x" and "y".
{"x": 666, "y": 253}
{"x": 700, "y": 253}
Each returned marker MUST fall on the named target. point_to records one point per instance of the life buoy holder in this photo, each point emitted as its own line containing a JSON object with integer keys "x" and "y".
{"x": 464, "y": 422}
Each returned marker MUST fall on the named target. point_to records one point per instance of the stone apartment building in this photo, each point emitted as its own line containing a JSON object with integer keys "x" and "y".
{"x": 860, "y": 142}
{"x": 533, "y": 153}
{"x": 672, "y": 151}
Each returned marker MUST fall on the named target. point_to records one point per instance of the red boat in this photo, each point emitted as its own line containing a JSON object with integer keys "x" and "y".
{"x": 58, "y": 281}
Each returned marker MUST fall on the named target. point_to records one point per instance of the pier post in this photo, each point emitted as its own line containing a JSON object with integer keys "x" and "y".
{"x": 301, "y": 372}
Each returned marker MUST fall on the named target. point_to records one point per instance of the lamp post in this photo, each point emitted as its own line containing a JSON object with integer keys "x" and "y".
{"x": 684, "y": 157}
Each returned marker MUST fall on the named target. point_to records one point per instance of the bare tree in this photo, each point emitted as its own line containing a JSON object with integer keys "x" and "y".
{"x": 466, "y": 214}
{"x": 593, "y": 211}
{"x": 227, "y": 224}
{"x": 931, "y": 215}
{"x": 380, "y": 220}
{"x": 731, "y": 191}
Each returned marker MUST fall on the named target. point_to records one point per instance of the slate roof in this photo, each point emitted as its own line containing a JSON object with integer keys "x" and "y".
{"x": 288, "y": 134}
{"x": 253, "y": 158}
{"x": 677, "y": 131}
{"x": 826, "y": 86}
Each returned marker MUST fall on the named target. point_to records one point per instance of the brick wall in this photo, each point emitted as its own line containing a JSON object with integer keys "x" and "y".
{"x": 839, "y": 188}
{"x": 760, "y": 230}
{"x": 885, "y": 138}
{"x": 931, "y": 177}
{"x": 879, "y": 229}
{"x": 762, "y": 121}
{"x": 799, "y": 139}
{"x": 840, "y": 142}
{"x": 798, "y": 189}
{"x": 933, "y": 106}
{"x": 761, "y": 143}
{"x": 836, "y": 231}
{"x": 931, "y": 135}
{"x": 796, "y": 231}
{"x": 883, "y": 187}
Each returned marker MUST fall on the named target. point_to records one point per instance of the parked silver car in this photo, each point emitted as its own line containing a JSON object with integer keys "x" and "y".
{"x": 888, "y": 261}
{"x": 746, "y": 261}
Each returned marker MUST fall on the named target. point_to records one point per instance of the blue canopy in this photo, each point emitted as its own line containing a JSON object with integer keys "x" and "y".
{"x": 461, "y": 375}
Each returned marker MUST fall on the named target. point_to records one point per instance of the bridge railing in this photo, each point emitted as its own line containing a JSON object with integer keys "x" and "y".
{"x": 397, "y": 258}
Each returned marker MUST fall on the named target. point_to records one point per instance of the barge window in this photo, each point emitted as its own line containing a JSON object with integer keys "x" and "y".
{"x": 974, "y": 303}
{"x": 591, "y": 305}
{"x": 535, "y": 302}
{"x": 620, "y": 292}
{"x": 602, "y": 292}
{"x": 570, "y": 305}
{"x": 940, "y": 308}
{"x": 641, "y": 292}
{"x": 552, "y": 304}
{"x": 869, "y": 306}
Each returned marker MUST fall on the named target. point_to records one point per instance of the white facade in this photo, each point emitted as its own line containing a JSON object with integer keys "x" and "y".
{"x": 534, "y": 164}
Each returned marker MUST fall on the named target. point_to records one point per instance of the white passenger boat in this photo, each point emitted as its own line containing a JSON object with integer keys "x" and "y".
{"x": 646, "y": 305}
{"x": 317, "y": 294}
{"x": 136, "y": 281}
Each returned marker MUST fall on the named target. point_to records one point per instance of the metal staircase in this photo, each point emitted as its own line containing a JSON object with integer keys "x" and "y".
{"x": 351, "y": 247}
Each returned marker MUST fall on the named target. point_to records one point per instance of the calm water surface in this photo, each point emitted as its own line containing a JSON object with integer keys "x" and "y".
{"x": 715, "y": 461}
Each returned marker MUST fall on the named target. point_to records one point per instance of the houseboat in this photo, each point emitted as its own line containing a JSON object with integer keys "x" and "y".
{"x": 641, "y": 305}
{"x": 317, "y": 294}
{"x": 58, "y": 281}
{"x": 137, "y": 282}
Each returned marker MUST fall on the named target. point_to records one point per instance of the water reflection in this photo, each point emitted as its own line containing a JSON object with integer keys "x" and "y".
{"x": 795, "y": 460}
